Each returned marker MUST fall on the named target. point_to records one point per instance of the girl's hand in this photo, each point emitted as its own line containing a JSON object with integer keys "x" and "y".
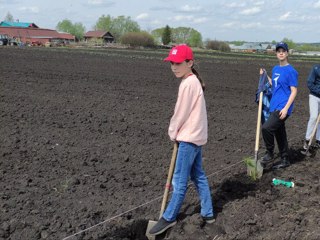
{"x": 283, "y": 113}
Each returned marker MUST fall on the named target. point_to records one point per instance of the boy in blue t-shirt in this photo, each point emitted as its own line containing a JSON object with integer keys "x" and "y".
{"x": 284, "y": 90}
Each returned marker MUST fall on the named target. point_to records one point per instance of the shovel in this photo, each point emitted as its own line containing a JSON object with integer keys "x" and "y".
{"x": 254, "y": 167}
{"x": 166, "y": 191}
{"x": 306, "y": 152}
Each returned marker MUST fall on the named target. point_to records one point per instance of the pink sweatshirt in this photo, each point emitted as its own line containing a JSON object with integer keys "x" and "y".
{"x": 189, "y": 122}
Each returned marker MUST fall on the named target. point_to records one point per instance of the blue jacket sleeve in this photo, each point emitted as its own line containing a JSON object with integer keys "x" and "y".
{"x": 314, "y": 80}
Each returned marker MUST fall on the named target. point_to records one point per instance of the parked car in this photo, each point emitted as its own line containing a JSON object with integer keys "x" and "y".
{"x": 13, "y": 42}
{"x": 3, "y": 39}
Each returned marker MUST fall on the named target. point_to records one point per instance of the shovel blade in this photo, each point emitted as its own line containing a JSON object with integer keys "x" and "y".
{"x": 254, "y": 169}
{"x": 259, "y": 169}
{"x": 306, "y": 153}
{"x": 150, "y": 225}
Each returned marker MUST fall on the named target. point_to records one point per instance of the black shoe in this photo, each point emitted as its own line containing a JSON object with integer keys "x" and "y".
{"x": 209, "y": 220}
{"x": 161, "y": 226}
{"x": 283, "y": 164}
{"x": 317, "y": 144}
{"x": 267, "y": 158}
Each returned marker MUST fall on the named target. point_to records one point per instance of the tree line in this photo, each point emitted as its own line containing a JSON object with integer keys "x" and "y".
{"x": 127, "y": 31}
{"x": 121, "y": 26}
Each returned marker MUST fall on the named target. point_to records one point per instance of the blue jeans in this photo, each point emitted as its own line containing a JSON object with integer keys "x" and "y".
{"x": 189, "y": 164}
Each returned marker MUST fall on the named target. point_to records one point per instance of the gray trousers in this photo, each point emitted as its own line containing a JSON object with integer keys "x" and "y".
{"x": 314, "y": 108}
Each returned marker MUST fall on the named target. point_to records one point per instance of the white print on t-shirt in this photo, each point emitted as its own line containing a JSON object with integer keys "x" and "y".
{"x": 276, "y": 79}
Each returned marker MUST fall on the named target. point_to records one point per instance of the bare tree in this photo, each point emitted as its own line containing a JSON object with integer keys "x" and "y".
{"x": 9, "y": 17}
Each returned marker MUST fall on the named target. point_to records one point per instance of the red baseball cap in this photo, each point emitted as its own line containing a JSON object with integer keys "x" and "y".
{"x": 179, "y": 53}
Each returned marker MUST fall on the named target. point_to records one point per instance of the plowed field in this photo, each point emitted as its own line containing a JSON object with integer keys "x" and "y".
{"x": 85, "y": 153}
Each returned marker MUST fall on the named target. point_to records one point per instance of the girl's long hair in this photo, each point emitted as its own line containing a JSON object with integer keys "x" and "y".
{"x": 200, "y": 79}
{"x": 194, "y": 71}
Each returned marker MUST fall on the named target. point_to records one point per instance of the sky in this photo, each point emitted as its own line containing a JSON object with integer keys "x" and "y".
{"x": 235, "y": 20}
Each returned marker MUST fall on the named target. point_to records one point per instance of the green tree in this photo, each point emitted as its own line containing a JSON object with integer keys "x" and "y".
{"x": 117, "y": 26}
{"x": 79, "y": 30}
{"x": 290, "y": 43}
{"x": 103, "y": 23}
{"x": 138, "y": 39}
{"x": 157, "y": 35}
{"x": 195, "y": 39}
{"x": 237, "y": 43}
{"x": 166, "y": 35}
{"x": 308, "y": 47}
{"x": 187, "y": 35}
{"x": 218, "y": 45}
{"x": 76, "y": 29}
{"x": 9, "y": 17}
{"x": 65, "y": 26}
{"x": 122, "y": 25}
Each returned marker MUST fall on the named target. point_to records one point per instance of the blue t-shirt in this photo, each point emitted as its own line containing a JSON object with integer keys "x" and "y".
{"x": 283, "y": 77}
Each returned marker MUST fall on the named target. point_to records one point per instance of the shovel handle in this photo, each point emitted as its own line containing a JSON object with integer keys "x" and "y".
{"x": 169, "y": 178}
{"x": 258, "y": 123}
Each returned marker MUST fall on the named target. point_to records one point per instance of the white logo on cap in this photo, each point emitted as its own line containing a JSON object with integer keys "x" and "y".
{"x": 174, "y": 51}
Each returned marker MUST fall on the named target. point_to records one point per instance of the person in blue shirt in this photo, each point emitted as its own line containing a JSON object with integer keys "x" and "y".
{"x": 314, "y": 105}
{"x": 284, "y": 83}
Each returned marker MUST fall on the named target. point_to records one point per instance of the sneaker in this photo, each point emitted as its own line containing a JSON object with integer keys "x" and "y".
{"x": 267, "y": 157}
{"x": 161, "y": 226}
{"x": 317, "y": 144}
{"x": 305, "y": 144}
{"x": 283, "y": 164}
{"x": 209, "y": 220}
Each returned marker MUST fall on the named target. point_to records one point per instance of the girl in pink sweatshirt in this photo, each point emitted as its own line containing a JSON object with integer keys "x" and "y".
{"x": 189, "y": 127}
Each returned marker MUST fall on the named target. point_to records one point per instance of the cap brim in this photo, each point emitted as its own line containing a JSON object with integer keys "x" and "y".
{"x": 173, "y": 59}
{"x": 282, "y": 48}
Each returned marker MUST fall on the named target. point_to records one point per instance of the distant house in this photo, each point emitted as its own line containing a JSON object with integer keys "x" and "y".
{"x": 252, "y": 47}
{"x": 67, "y": 37}
{"x": 38, "y": 36}
{"x": 106, "y": 37}
{"x": 18, "y": 24}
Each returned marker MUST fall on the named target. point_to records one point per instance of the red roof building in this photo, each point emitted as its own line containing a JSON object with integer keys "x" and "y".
{"x": 66, "y": 36}
{"x": 35, "y": 35}
{"x": 106, "y": 36}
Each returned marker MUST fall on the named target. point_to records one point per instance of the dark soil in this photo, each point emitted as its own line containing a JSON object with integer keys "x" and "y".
{"x": 85, "y": 153}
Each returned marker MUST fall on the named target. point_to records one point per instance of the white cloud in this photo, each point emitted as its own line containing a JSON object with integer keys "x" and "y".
{"x": 250, "y": 25}
{"x": 251, "y": 11}
{"x": 29, "y": 9}
{"x": 317, "y": 4}
{"x": 142, "y": 16}
{"x": 235, "y": 5}
{"x": 285, "y": 16}
{"x": 9, "y": 2}
{"x": 95, "y": 2}
{"x": 190, "y": 18}
{"x": 229, "y": 25}
{"x": 100, "y": 3}
{"x": 200, "y": 20}
{"x": 237, "y": 25}
{"x": 259, "y": 3}
{"x": 182, "y": 18}
{"x": 156, "y": 22}
{"x": 188, "y": 8}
